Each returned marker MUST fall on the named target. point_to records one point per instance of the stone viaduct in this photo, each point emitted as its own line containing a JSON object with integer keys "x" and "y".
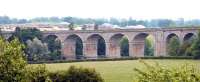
{"x": 136, "y": 38}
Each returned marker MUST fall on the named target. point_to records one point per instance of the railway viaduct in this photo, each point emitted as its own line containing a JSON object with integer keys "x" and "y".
{"x": 111, "y": 38}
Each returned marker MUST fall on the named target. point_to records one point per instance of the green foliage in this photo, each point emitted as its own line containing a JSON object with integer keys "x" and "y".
{"x": 195, "y": 48}
{"x": 83, "y": 75}
{"x": 124, "y": 47}
{"x": 173, "y": 46}
{"x": 158, "y": 73}
{"x": 149, "y": 48}
{"x": 26, "y": 34}
{"x": 36, "y": 50}
{"x": 12, "y": 62}
{"x": 37, "y": 74}
{"x": 58, "y": 76}
{"x": 73, "y": 74}
{"x": 54, "y": 46}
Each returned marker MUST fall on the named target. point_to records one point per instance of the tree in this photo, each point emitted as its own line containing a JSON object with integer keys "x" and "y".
{"x": 173, "y": 46}
{"x": 54, "y": 46}
{"x": 148, "y": 47}
{"x": 12, "y": 61}
{"x": 26, "y": 34}
{"x": 71, "y": 26}
{"x": 124, "y": 47}
{"x": 37, "y": 50}
{"x": 195, "y": 48}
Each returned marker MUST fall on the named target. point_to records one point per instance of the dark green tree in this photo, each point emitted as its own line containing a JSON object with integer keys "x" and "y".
{"x": 124, "y": 47}
{"x": 54, "y": 46}
{"x": 173, "y": 46}
{"x": 195, "y": 48}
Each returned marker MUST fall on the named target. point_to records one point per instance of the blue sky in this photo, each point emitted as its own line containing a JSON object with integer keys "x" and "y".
{"x": 138, "y": 9}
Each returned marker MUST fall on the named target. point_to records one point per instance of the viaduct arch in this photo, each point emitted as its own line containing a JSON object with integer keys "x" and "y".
{"x": 111, "y": 40}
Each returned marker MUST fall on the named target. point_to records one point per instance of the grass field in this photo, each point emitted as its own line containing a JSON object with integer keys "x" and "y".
{"x": 119, "y": 71}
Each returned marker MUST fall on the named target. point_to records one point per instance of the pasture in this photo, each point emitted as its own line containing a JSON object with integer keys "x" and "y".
{"x": 120, "y": 71}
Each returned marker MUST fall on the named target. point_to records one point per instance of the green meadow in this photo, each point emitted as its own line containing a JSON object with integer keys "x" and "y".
{"x": 120, "y": 71}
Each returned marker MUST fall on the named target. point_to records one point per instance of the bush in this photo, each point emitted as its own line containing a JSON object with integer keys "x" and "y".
{"x": 83, "y": 75}
{"x": 157, "y": 73}
{"x": 59, "y": 76}
{"x": 37, "y": 74}
{"x": 73, "y": 74}
{"x": 12, "y": 62}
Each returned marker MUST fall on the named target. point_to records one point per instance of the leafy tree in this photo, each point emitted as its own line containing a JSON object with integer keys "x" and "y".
{"x": 149, "y": 48}
{"x": 195, "y": 48}
{"x": 124, "y": 47}
{"x": 36, "y": 50}
{"x": 12, "y": 62}
{"x": 71, "y": 26}
{"x": 54, "y": 46}
{"x": 26, "y": 34}
{"x": 173, "y": 46}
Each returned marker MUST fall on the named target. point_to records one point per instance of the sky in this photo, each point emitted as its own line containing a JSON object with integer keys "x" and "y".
{"x": 137, "y": 9}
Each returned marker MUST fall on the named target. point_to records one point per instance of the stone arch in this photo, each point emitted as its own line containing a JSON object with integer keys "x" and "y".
{"x": 189, "y": 37}
{"x": 115, "y": 45}
{"x": 170, "y": 36}
{"x": 138, "y": 46}
{"x": 95, "y": 46}
{"x": 73, "y": 47}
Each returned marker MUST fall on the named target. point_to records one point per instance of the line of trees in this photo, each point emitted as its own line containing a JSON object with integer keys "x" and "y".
{"x": 115, "y": 21}
{"x": 190, "y": 47}
{"x": 38, "y": 48}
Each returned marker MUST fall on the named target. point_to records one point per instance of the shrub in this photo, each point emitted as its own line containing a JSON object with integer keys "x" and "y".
{"x": 59, "y": 76}
{"x": 12, "y": 63}
{"x": 82, "y": 75}
{"x": 37, "y": 74}
{"x": 157, "y": 73}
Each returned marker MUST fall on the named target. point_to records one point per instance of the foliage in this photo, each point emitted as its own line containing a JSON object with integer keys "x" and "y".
{"x": 158, "y": 73}
{"x": 36, "y": 50}
{"x": 37, "y": 74}
{"x": 83, "y": 75}
{"x": 73, "y": 74}
{"x": 124, "y": 47}
{"x": 54, "y": 47}
{"x": 26, "y": 34}
{"x": 12, "y": 63}
{"x": 149, "y": 48}
{"x": 195, "y": 48}
{"x": 173, "y": 46}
